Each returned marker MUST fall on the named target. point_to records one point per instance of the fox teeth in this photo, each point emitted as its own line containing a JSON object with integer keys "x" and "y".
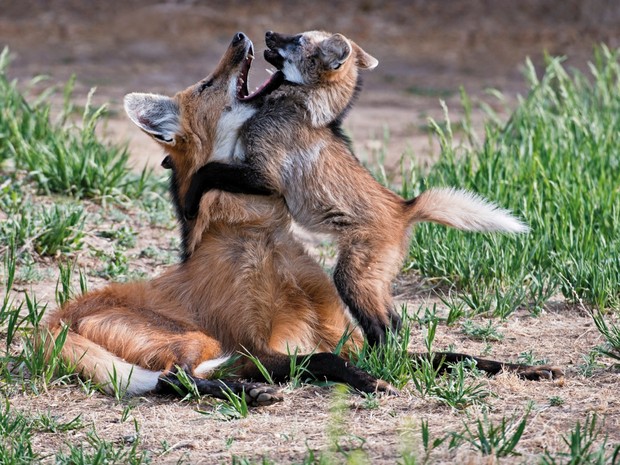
{"x": 270, "y": 71}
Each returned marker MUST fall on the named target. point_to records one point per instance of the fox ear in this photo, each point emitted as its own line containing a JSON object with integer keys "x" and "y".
{"x": 335, "y": 50}
{"x": 363, "y": 59}
{"x": 156, "y": 115}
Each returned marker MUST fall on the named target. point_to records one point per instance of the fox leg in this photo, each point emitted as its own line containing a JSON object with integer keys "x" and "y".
{"x": 161, "y": 343}
{"x": 255, "y": 394}
{"x": 324, "y": 365}
{"x": 362, "y": 276}
{"x": 443, "y": 360}
{"x": 149, "y": 339}
{"x": 237, "y": 179}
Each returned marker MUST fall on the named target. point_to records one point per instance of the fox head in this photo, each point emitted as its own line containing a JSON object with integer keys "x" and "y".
{"x": 197, "y": 124}
{"x": 316, "y": 57}
{"x": 201, "y": 120}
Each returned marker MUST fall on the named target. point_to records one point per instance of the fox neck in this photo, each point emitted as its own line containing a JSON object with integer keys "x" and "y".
{"x": 328, "y": 102}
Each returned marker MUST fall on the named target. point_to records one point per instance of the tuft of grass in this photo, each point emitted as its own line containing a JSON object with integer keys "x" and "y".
{"x": 553, "y": 163}
{"x": 298, "y": 368}
{"x": 590, "y": 363}
{"x": 15, "y": 437}
{"x": 234, "y": 407}
{"x": 499, "y": 440}
{"x": 556, "y": 401}
{"x": 61, "y": 156}
{"x": 611, "y": 333}
{"x": 35, "y": 361}
{"x": 394, "y": 363}
{"x": 189, "y": 386}
{"x": 261, "y": 368}
{"x": 455, "y": 389}
{"x": 528, "y": 358}
{"x": 485, "y": 333}
{"x": 62, "y": 230}
{"x": 53, "y": 424}
{"x": 390, "y": 361}
{"x": 96, "y": 450}
{"x": 585, "y": 446}
{"x": 124, "y": 236}
{"x": 116, "y": 266}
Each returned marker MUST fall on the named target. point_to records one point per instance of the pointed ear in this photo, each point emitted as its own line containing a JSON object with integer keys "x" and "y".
{"x": 335, "y": 51}
{"x": 156, "y": 115}
{"x": 363, "y": 59}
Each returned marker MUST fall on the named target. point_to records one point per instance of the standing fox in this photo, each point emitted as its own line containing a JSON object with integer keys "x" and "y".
{"x": 245, "y": 283}
{"x": 293, "y": 145}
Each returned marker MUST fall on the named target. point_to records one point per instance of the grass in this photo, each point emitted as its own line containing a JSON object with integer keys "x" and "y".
{"x": 489, "y": 438}
{"x": 611, "y": 333}
{"x": 553, "y": 163}
{"x": 41, "y": 229}
{"x": 583, "y": 446}
{"x": 457, "y": 387}
{"x": 59, "y": 155}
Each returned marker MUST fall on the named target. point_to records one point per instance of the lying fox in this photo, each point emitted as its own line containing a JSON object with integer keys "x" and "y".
{"x": 245, "y": 283}
{"x": 293, "y": 145}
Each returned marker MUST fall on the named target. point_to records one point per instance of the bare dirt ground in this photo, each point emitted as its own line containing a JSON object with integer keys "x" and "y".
{"x": 426, "y": 49}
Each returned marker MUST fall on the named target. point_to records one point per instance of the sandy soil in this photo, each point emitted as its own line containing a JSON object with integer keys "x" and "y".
{"x": 426, "y": 49}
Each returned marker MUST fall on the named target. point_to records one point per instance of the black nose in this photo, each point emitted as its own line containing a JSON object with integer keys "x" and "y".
{"x": 269, "y": 34}
{"x": 239, "y": 36}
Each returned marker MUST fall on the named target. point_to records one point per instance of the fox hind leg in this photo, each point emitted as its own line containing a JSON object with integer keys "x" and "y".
{"x": 443, "y": 360}
{"x": 321, "y": 366}
{"x": 363, "y": 282}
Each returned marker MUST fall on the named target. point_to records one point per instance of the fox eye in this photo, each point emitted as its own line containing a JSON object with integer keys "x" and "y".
{"x": 204, "y": 85}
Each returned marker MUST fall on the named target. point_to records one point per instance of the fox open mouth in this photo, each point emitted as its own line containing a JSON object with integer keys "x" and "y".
{"x": 272, "y": 83}
{"x": 273, "y": 57}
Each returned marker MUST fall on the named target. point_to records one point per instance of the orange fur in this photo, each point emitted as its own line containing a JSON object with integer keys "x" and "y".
{"x": 246, "y": 282}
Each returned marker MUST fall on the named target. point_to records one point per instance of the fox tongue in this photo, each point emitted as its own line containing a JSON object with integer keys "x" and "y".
{"x": 274, "y": 81}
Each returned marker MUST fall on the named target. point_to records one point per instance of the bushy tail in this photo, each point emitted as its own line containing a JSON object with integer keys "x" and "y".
{"x": 106, "y": 369}
{"x": 462, "y": 210}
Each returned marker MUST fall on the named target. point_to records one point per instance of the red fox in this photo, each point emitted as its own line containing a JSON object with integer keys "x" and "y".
{"x": 244, "y": 284}
{"x": 293, "y": 145}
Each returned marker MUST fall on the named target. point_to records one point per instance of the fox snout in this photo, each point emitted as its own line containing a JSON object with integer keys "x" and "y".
{"x": 276, "y": 44}
{"x": 276, "y": 40}
{"x": 240, "y": 47}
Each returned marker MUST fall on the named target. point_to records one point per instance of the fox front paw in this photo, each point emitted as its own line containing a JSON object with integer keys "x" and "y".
{"x": 260, "y": 395}
{"x": 540, "y": 372}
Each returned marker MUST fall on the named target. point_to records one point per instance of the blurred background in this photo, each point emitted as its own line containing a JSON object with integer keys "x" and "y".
{"x": 426, "y": 49}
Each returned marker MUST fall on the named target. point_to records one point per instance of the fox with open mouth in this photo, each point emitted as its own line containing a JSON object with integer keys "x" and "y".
{"x": 293, "y": 145}
{"x": 245, "y": 283}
